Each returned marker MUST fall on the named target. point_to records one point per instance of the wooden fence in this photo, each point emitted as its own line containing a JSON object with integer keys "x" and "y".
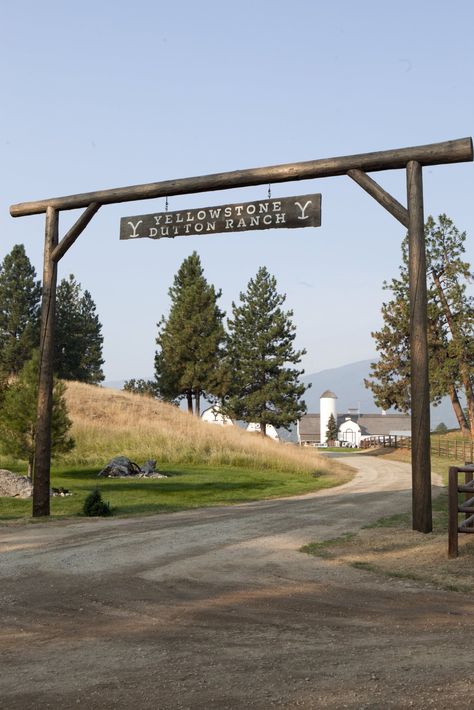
{"x": 391, "y": 441}
{"x": 456, "y": 506}
{"x": 456, "y": 449}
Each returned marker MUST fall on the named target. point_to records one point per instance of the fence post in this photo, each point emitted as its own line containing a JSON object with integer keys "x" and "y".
{"x": 453, "y": 512}
{"x": 467, "y": 479}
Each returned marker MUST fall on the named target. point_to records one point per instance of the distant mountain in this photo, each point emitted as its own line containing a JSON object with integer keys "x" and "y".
{"x": 347, "y": 383}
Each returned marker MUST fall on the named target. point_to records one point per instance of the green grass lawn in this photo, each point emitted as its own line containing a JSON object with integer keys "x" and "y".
{"x": 188, "y": 486}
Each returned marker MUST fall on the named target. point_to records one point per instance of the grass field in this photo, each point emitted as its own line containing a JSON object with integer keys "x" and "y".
{"x": 206, "y": 464}
{"x": 188, "y": 486}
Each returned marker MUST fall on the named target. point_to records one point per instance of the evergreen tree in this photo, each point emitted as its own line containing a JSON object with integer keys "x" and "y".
{"x": 78, "y": 336}
{"x": 450, "y": 328}
{"x": 18, "y": 415}
{"x": 92, "y": 360}
{"x": 264, "y": 389}
{"x": 332, "y": 430}
{"x": 449, "y": 274}
{"x": 190, "y": 339}
{"x": 140, "y": 386}
{"x": 20, "y": 294}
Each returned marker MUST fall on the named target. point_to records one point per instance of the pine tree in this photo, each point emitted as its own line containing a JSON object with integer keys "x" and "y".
{"x": 332, "y": 430}
{"x": 264, "y": 389}
{"x": 450, "y": 328}
{"x": 140, "y": 386}
{"x": 190, "y": 339}
{"x": 18, "y": 415}
{"x": 78, "y": 337}
{"x": 91, "y": 361}
{"x": 449, "y": 274}
{"x": 20, "y": 294}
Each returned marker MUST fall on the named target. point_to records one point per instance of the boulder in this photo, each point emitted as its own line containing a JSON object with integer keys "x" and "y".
{"x": 148, "y": 467}
{"x": 120, "y": 467}
{"x": 13, "y": 485}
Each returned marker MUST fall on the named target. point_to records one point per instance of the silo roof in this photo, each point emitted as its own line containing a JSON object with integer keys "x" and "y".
{"x": 328, "y": 395}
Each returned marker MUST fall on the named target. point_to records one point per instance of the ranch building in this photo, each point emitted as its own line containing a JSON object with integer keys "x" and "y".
{"x": 353, "y": 427}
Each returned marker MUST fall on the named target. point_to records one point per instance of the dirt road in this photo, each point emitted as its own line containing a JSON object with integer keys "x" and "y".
{"x": 217, "y": 608}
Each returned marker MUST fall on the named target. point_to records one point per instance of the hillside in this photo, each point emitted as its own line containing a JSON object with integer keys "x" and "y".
{"x": 108, "y": 423}
{"x": 347, "y": 382}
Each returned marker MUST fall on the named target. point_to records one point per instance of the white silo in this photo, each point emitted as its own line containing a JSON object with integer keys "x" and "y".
{"x": 327, "y": 406}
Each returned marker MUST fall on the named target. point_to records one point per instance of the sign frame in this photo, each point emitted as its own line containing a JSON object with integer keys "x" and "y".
{"x": 271, "y": 213}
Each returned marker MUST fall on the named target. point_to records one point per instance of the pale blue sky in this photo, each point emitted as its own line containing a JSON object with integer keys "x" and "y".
{"x": 98, "y": 95}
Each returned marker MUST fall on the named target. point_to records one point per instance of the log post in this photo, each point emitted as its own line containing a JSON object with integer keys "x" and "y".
{"x": 468, "y": 477}
{"x": 42, "y": 460}
{"x": 420, "y": 397}
{"x": 453, "y": 512}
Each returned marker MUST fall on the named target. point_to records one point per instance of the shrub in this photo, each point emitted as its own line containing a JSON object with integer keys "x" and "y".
{"x": 95, "y": 506}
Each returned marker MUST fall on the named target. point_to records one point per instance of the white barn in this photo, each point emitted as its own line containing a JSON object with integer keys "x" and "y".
{"x": 352, "y": 427}
{"x": 270, "y": 430}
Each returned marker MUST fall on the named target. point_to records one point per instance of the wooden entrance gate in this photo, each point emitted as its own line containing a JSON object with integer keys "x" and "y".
{"x": 455, "y": 506}
{"x": 412, "y": 160}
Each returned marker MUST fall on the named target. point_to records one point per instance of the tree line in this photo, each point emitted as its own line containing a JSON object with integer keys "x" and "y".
{"x": 77, "y": 356}
{"x": 248, "y": 367}
{"x": 78, "y": 334}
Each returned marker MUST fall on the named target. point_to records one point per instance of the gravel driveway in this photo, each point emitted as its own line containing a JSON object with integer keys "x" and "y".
{"x": 217, "y": 608}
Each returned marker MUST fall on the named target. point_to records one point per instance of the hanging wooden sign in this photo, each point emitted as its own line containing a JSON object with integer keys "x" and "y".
{"x": 272, "y": 213}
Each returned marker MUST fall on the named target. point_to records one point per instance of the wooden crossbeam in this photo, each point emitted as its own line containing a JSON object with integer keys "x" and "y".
{"x": 467, "y": 506}
{"x": 467, "y": 525}
{"x": 383, "y": 197}
{"x": 77, "y": 228}
{"x": 455, "y": 151}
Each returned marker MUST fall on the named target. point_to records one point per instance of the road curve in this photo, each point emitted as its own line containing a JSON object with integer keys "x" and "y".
{"x": 379, "y": 488}
{"x": 213, "y": 608}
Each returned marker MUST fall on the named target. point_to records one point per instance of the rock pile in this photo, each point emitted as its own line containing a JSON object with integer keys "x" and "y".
{"x": 122, "y": 467}
{"x": 13, "y": 485}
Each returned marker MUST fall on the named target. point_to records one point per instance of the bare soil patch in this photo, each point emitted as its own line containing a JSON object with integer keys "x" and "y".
{"x": 405, "y": 554}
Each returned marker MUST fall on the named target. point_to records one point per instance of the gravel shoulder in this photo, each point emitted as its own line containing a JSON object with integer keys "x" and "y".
{"x": 217, "y": 608}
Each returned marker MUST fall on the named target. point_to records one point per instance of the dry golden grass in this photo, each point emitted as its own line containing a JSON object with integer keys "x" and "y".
{"x": 107, "y": 423}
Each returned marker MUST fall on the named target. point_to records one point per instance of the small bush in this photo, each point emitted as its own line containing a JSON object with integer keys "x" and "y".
{"x": 95, "y": 506}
